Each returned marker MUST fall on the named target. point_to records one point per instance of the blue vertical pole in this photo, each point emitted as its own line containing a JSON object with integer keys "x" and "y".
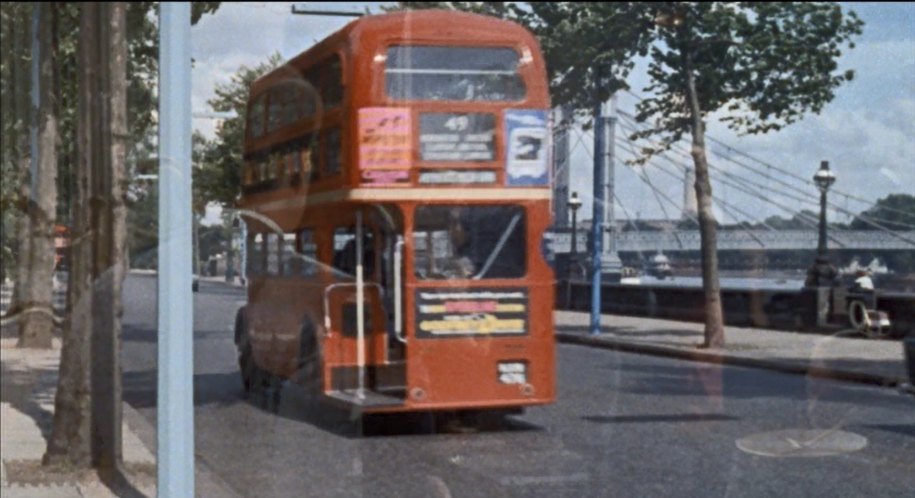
{"x": 597, "y": 222}
{"x": 175, "y": 452}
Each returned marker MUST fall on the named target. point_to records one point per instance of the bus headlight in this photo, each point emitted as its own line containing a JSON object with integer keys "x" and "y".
{"x": 512, "y": 372}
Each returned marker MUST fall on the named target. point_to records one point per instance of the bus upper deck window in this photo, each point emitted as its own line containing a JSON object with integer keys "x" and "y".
{"x": 416, "y": 72}
{"x": 256, "y": 118}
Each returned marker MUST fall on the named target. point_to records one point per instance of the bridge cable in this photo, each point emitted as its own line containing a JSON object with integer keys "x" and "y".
{"x": 864, "y": 218}
{"x": 801, "y": 216}
{"x": 663, "y": 209}
{"x": 723, "y": 205}
{"x": 791, "y": 174}
{"x": 635, "y": 225}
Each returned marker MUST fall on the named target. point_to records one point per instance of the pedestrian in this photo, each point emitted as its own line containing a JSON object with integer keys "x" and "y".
{"x": 863, "y": 281}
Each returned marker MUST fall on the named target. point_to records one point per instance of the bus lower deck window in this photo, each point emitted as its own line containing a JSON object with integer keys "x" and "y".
{"x": 469, "y": 242}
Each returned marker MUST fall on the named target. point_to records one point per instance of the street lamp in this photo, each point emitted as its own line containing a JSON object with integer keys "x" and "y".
{"x": 822, "y": 273}
{"x": 574, "y": 203}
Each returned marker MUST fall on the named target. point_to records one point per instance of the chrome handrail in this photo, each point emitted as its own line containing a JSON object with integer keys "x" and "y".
{"x": 327, "y": 292}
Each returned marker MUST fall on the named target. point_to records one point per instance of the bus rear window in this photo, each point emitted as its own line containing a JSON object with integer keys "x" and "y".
{"x": 415, "y": 72}
{"x": 469, "y": 242}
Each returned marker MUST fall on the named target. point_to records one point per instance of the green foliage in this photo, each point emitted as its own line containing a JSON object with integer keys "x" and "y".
{"x": 217, "y": 175}
{"x": 143, "y": 229}
{"x": 214, "y": 240}
{"x": 766, "y": 64}
{"x": 588, "y": 46}
{"x": 142, "y": 71}
{"x": 895, "y": 212}
{"x": 800, "y": 221}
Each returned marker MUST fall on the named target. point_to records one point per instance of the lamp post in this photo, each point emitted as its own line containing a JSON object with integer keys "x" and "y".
{"x": 574, "y": 204}
{"x": 821, "y": 276}
{"x": 822, "y": 273}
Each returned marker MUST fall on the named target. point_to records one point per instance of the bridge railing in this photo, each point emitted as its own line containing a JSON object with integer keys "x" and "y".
{"x": 689, "y": 240}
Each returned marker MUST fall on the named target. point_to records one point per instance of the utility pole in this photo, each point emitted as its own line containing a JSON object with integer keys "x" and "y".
{"x": 175, "y": 418}
{"x": 597, "y": 210}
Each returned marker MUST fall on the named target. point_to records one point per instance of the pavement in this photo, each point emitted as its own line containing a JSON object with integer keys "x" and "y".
{"x": 841, "y": 356}
{"x": 30, "y": 378}
{"x": 29, "y": 382}
{"x": 27, "y": 410}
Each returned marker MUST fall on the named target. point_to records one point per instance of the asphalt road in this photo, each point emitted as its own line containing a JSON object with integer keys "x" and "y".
{"x": 623, "y": 425}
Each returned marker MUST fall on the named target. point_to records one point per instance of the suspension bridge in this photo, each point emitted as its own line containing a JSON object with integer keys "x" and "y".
{"x": 762, "y": 187}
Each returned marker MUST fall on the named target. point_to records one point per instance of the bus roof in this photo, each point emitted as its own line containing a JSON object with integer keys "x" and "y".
{"x": 420, "y": 24}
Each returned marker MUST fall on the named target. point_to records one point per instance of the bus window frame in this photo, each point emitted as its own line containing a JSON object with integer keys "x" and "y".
{"x": 525, "y": 223}
{"x": 307, "y": 131}
{"x": 273, "y": 243}
{"x": 257, "y": 269}
{"x": 325, "y": 151}
{"x": 311, "y": 260}
{"x": 260, "y": 98}
{"x": 382, "y": 55}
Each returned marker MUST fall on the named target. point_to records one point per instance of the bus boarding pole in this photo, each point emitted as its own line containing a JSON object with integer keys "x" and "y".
{"x": 360, "y": 307}
{"x": 175, "y": 403}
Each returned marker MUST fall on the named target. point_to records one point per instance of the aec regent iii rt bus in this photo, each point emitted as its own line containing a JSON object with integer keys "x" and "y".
{"x": 398, "y": 177}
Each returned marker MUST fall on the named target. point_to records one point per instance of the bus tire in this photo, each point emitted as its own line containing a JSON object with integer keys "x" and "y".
{"x": 308, "y": 364}
{"x": 246, "y": 366}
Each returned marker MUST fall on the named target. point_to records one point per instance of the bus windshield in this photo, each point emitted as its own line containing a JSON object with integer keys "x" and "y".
{"x": 416, "y": 72}
{"x": 469, "y": 242}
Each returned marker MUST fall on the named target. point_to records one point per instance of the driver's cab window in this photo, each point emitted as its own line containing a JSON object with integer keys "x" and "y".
{"x": 344, "y": 262}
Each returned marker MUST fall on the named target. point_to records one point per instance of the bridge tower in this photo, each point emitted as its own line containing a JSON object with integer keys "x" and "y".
{"x": 561, "y": 165}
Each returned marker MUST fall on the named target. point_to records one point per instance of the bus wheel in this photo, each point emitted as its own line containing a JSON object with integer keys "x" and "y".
{"x": 308, "y": 366}
{"x": 246, "y": 366}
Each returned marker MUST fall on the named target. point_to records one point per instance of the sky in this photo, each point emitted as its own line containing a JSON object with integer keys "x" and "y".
{"x": 867, "y": 133}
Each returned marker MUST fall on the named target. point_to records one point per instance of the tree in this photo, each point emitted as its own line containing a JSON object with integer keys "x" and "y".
{"x": 589, "y": 47}
{"x": 217, "y": 175}
{"x": 36, "y": 322}
{"x": 15, "y": 117}
{"x": 765, "y": 64}
{"x": 142, "y": 66}
{"x": 97, "y": 251}
{"x": 87, "y": 420}
{"x": 894, "y": 212}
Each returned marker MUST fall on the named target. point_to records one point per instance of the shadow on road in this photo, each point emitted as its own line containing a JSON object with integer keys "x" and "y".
{"x": 295, "y": 404}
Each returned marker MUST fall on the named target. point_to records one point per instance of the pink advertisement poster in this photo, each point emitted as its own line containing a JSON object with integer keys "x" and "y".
{"x": 385, "y": 144}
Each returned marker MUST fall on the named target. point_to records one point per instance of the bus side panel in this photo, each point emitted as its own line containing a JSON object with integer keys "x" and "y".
{"x": 341, "y": 343}
{"x": 464, "y": 371}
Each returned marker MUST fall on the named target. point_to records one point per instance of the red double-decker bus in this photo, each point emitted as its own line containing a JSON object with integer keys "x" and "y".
{"x": 397, "y": 181}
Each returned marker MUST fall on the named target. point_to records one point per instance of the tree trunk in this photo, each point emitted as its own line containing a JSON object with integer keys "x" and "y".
{"x": 708, "y": 230}
{"x": 110, "y": 225}
{"x": 69, "y": 444}
{"x": 36, "y": 323}
{"x": 21, "y": 154}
